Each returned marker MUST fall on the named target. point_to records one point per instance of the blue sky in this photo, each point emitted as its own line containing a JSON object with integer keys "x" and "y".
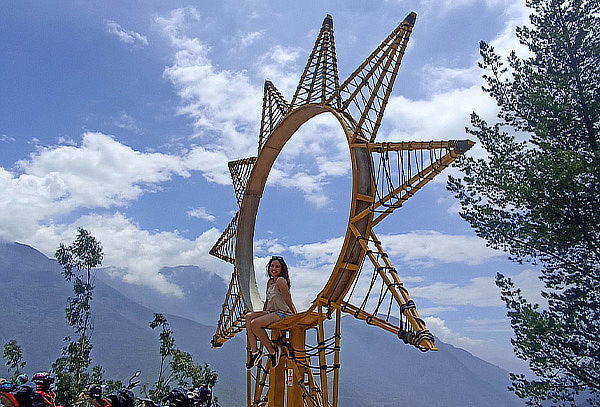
{"x": 120, "y": 117}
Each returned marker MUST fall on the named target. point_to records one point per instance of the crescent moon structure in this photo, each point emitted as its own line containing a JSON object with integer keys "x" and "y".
{"x": 384, "y": 176}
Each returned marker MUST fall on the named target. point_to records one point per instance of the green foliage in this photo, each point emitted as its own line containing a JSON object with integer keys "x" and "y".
{"x": 176, "y": 366}
{"x": 13, "y": 356}
{"x": 72, "y": 368}
{"x": 537, "y": 195}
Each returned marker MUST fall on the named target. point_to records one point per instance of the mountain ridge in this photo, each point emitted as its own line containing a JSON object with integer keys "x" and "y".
{"x": 377, "y": 370}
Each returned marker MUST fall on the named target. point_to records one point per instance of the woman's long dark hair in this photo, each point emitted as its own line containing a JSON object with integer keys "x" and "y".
{"x": 284, "y": 269}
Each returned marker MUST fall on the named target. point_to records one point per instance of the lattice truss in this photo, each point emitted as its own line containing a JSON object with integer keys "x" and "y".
{"x": 313, "y": 365}
{"x": 274, "y": 108}
{"x": 231, "y": 320}
{"x": 400, "y": 169}
{"x": 320, "y": 77}
{"x": 379, "y": 298}
{"x": 366, "y": 92}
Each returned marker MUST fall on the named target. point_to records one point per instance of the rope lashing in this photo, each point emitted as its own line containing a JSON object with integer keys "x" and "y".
{"x": 392, "y": 178}
{"x": 410, "y": 304}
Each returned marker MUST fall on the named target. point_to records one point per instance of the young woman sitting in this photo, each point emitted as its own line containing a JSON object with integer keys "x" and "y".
{"x": 278, "y": 305}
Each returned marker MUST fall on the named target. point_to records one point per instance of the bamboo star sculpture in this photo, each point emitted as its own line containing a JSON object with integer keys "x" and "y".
{"x": 384, "y": 176}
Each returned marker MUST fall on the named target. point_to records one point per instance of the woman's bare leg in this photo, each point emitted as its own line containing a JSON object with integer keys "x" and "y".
{"x": 251, "y": 336}
{"x": 258, "y": 325}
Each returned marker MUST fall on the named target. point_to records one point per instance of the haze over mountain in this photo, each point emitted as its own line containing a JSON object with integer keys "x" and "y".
{"x": 202, "y": 297}
{"x": 377, "y": 369}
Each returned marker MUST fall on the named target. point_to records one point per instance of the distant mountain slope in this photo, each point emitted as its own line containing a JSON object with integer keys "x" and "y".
{"x": 202, "y": 293}
{"x": 377, "y": 369}
{"x": 33, "y": 300}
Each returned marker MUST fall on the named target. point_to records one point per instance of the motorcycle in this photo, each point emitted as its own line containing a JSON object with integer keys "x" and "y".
{"x": 120, "y": 398}
{"x": 178, "y": 397}
{"x": 37, "y": 393}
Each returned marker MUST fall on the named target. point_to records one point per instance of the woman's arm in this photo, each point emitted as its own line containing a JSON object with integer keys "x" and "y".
{"x": 282, "y": 286}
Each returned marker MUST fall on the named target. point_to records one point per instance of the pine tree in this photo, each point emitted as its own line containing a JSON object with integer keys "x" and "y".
{"x": 537, "y": 194}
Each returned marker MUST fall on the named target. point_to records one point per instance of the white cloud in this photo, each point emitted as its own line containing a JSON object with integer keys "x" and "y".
{"x": 320, "y": 253}
{"x": 140, "y": 254}
{"x": 316, "y": 156}
{"x": 224, "y": 105}
{"x": 516, "y": 14}
{"x": 127, "y": 36}
{"x": 488, "y": 325}
{"x": 431, "y": 247}
{"x": 479, "y": 291}
{"x": 438, "y": 327}
{"x": 250, "y": 37}
{"x": 442, "y": 6}
{"x": 428, "y": 311}
{"x": 281, "y": 65}
{"x": 6, "y": 139}
{"x": 316, "y": 260}
{"x": 100, "y": 173}
{"x": 201, "y": 213}
{"x": 127, "y": 122}
{"x": 495, "y": 348}
{"x": 66, "y": 141}
{"x": 453, "y": 92}
{"x": 414, "y": 119}
{"x": 103, "y": 173}
{"x": 440, "y": 79}
{"x": 269, "y": 246}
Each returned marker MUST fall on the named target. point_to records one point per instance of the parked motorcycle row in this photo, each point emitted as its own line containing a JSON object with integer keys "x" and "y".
{"x": 38, "y": 392}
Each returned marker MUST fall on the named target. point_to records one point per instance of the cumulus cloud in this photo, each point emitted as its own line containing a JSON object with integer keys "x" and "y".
{"x": 137, "y": 253}
{"x": 316, "y": 260}
{"x": 224, "y": 105}
{"x": 315, "y": 157}
{"x": 201, "y": 213}
{"x": 99, "y": 173}
{"x": 127, "y": 36}
{"x": 269, "y": 246}
{"x": 430, "y": 247}
{"x": 453, "y": 93}
{"x": 479, "y": 291}
{"x": 320, "y": 253}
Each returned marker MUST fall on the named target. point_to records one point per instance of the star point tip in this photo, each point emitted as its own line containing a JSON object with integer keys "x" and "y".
{"x": 411, "y": 18}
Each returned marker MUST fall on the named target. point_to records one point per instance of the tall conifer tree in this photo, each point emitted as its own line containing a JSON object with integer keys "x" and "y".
{"x": 537, "y": 194}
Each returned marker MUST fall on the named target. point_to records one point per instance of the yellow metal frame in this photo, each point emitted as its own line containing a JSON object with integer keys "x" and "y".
{"x": 309, "y": 375}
